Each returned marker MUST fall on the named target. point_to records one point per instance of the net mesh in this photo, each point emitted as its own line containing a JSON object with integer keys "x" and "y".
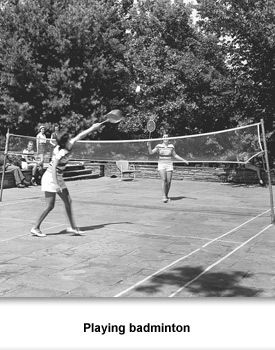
{"x": 238, "y": 145}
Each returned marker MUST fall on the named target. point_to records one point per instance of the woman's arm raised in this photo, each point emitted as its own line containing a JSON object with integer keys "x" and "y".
{"x": 84, "y": 133}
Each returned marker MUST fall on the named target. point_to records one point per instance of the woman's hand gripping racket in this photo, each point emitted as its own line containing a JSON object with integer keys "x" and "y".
{"x": 114, "y": 117}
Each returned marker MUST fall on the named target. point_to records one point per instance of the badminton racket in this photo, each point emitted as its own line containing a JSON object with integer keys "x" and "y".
{"x": 151, "y": 127}
{"x": 114, "y": 117}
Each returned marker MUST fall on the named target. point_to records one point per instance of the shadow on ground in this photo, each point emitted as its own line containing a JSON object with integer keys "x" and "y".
{"x": 180, "y": 197}
{"x": 88, "y": 228}
{"x": 212, "y": 284}
{"x": 234, "y": 185}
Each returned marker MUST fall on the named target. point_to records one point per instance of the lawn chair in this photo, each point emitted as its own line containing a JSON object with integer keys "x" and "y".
{"x": 126, "y": 169}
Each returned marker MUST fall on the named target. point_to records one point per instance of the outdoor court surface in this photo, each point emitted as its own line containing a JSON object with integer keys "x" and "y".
{"x": 210, "y": 240}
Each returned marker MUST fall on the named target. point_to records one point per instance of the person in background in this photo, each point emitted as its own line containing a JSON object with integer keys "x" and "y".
{"x": 41, "y": 141}
{"x": 19, "y": 178}
{"x": 53, "y": 183}
{"x": 166, "y": 152}
{"x": 29, "y": 162}
{"x": 54, "y": 135}
{"x": 254, "y": 165}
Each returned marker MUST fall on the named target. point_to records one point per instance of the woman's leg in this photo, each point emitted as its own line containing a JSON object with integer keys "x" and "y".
{"x": 257, "y": 170}
{"x": 50, "y": 202}
{"x": 169, "y": 175}
{"x": 163, "y": 176}
{"x": 65, "y": 196}
{"x": 34, "y": 169}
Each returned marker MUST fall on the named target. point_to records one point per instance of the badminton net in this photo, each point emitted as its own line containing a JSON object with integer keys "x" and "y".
{"x": 237, "y": 145}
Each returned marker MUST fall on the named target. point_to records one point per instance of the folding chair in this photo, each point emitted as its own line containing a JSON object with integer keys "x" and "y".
{"x": 126, "y": 169}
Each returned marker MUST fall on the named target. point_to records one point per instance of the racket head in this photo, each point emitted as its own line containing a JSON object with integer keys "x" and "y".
{"x": 115, "y": 116}
{"x": 151, "y": 126}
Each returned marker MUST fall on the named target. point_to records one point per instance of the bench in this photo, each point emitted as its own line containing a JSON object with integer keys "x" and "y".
{"x": 100, "y": 165}
{"x": 9, "y": 178}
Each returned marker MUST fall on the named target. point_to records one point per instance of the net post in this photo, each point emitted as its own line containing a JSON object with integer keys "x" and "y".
{"x": 4, "y": 163}
{"x": 268, "y": 174}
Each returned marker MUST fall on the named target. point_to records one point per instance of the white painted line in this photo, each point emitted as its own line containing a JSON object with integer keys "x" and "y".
{"x": 23, "y": 201}
{"x": 186, "y": 256}
{"x": 224, "y": 207}
{"x": 28, "y": 234}
{"x": 169, "y": 236}
{"x": 27, "y": 220}
{"x": 3, "y": 204}
{"x": 58, "y": 201}
{"x": 219, "y": 261}
{"x": 155, "y": 273}
{"x": 235, "y": 229}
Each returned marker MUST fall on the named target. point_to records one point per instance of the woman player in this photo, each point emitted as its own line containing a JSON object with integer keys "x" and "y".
{"x": 166, "y": 152}
{"x": 52, "y": 181}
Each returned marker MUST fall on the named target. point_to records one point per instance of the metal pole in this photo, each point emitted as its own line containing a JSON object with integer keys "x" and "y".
{"x": 268, "y": 175}
{"x": 4, "y": 164}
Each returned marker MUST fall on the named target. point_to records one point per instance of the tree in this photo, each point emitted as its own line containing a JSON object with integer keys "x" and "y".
{"x": 246, "y": 31}
{"x": 72, "y": 61}
{"x": 59, "y": 62}
{"x": 181, "y": 72}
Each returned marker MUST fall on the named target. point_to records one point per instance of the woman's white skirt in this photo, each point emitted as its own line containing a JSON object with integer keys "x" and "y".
{"x": 47, "y": 183}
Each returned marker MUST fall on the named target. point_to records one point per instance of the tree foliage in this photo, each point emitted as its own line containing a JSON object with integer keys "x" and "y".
{"x": 246, "y": 29}
{"x": 71, "y": 61}
{"x": 180, "y": 71}
{"x": 60, "y": 62}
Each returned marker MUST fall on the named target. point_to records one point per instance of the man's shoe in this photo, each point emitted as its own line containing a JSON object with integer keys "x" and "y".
{"x": 20, "y": 186}
{"x": 26, "y": 183}
{"x": 37, "y": 232}
{"x": 33, "y": 182}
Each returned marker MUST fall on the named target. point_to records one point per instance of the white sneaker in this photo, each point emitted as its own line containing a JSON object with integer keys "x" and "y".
{"x": 37, "y": 232}
{"x": 76, "y": 231}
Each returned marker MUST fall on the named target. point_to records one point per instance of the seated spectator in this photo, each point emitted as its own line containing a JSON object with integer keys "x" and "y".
{"x": 255, "y": 164}
{"x": 12, "y": 165}
{"x": 29, "y": 162}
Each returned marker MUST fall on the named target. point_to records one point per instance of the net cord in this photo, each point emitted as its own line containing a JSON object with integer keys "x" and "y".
{"x": 171, "y": 138}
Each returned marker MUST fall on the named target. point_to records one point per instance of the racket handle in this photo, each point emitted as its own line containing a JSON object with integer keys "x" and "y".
{"x": 105, "y": 121}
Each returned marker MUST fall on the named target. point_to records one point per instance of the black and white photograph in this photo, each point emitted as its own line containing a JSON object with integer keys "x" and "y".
{"x": 137, "y": 155}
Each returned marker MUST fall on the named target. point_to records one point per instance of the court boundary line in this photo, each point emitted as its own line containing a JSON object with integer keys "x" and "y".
{"x": 58, "y": 200}
{"x": 42, "y": 198}
{"x": 28, "y": 234}
{"x": 219, "y": 261}
{"x": 132, "y": 231}
{"x": 169, "y": 236}
{"x": 187, "y": 256}
{"x": 27, "y": 220}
